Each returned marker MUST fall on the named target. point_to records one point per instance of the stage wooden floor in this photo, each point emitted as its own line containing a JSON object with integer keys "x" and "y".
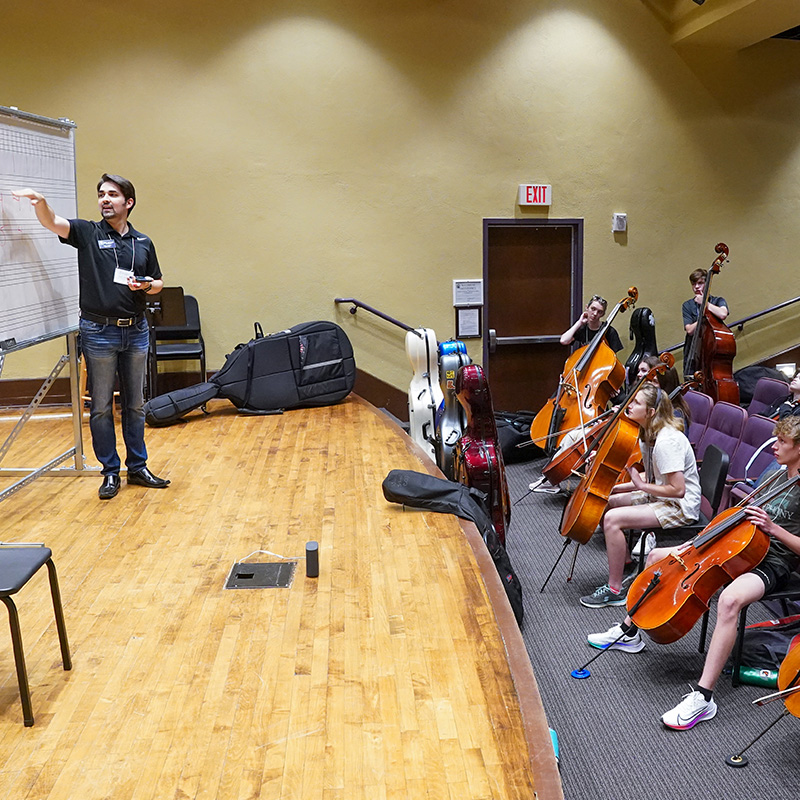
{"x": 398, "y": 673}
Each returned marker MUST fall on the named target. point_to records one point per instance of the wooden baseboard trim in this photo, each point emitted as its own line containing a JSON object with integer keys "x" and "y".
{"x": 381, "y": 394}
{"x": 20, "y": 391}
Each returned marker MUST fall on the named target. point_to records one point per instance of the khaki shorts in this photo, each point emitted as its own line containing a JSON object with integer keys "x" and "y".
{"x": 668, "y": 511}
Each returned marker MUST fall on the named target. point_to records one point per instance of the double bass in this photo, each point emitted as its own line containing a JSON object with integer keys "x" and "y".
{"x": 592, "y": 376}
{"x": 713, "y": 345}
{"x": 680, "y": 585}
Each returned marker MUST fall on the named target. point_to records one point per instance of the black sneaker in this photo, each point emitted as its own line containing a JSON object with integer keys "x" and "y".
{"x": 602, "y": 596}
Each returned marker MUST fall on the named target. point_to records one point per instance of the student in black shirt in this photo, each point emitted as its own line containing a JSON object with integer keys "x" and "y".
{"x": 788, "y": 406}
{"x": 589, "y": 323}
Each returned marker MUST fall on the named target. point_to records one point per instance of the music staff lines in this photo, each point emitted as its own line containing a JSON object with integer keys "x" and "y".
{"x": 19, "y": 230}
{"x": 48, "y": 311}
{"x": 35, "y": 144}
{"x": 28, "y": 272}
{"x": 53, "y": 187}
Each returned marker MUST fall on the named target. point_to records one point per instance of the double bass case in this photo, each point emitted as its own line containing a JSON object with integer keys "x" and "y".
{"x": 310, "y": 364}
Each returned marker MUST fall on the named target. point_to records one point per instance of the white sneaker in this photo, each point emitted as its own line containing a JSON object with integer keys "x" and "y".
{"x": 544, "y": 486}
{"x": 613, "y": 639}
{"x": 692, "y": 709}
{"x": 649, "y": 545}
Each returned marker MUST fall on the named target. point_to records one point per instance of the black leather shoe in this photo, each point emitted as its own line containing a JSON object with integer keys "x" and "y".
{"x": 143, "y": 477}
{"x": 109, "y": 488}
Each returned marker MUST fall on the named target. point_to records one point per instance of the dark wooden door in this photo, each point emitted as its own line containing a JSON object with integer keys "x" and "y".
{"x": 532, "y": 279}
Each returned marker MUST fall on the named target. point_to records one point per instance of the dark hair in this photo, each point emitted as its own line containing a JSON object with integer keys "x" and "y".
{"x": 697, "y": 275}
{"x": 125, "y": 186}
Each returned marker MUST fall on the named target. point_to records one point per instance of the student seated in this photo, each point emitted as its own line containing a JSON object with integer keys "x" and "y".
{"x": 573, "y": 436}
{"x": 780, "y": 519}
{"x": 666, "y": 495}
{"x": 589, "y": 323}
{"x": 789, "y": 405}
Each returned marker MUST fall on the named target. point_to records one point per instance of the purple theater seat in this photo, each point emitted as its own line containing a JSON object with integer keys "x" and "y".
{"x": 724, "y": 429}
{"x": 767, "y": 391}
{"x": 700, "y": 406}
{"x": 757, "y": 431}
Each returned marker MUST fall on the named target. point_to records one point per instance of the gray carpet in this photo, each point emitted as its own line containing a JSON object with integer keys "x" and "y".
{"x": 613, "y": 745}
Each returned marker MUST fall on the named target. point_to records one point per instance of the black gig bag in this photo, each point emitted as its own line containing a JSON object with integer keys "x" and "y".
{"x": 310, "y": 364}
{"x": 167, "y": 408}
{"x": 419, "y": 490}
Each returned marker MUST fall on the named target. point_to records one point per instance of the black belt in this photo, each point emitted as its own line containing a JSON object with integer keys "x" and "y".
{"x": 124, "y": 322}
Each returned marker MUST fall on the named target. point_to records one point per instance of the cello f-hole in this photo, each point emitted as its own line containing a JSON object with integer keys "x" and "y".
{"x": 688, "y": 578}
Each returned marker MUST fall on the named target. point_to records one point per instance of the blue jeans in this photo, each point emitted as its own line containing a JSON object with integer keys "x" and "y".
{"x": 110, "y": 351}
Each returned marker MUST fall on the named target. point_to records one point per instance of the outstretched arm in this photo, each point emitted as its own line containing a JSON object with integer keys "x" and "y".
{"x": 46, "y": 216}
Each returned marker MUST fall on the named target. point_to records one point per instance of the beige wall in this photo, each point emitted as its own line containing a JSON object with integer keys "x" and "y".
{"x": 286, "y": 153}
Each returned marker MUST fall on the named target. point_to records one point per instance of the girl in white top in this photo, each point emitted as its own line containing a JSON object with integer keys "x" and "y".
{"x": 665, "y": 495}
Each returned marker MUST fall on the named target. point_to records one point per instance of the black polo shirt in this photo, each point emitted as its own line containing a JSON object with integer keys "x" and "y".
{"x": 100, "y": 251}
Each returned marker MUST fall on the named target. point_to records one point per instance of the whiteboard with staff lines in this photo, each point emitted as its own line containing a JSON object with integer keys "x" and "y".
{"x": 38, "y": 274}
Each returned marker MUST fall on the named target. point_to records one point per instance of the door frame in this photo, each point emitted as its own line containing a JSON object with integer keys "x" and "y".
{"x": 576, "y": 295}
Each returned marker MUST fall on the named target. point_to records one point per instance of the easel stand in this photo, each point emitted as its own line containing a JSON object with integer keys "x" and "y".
{"x": 76, "y": 453}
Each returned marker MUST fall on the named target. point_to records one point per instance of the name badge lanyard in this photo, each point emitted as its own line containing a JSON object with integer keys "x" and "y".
{"x": 133, "y": 254}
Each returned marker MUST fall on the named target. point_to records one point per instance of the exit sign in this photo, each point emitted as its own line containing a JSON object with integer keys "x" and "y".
{"x": 534, "y": 194}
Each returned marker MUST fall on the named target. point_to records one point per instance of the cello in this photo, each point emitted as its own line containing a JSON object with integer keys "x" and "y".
{"x": 789, "y": 692}
{"x": 564, "y": 463}
{"x": 643, "y": 331}
{"x": 450, "y": 419}
{"x": 788, "y": 681}
{"x": 680, "y": 585}
{"x": 713, "y": 346}
{"x": 589, "y": 501}
{"x": 478, "y": 459}
{"x": 424, "y": 393}
{"x": 592, "y": 375}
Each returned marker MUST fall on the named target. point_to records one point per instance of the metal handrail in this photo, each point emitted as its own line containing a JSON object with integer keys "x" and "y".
{"x": 741, "y": 322}
{"x": 356, "y": 304}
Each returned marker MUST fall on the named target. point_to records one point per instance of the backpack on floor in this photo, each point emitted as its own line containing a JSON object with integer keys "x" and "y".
{"x": 419, "y": 490}
{"x": 310, "y": 364}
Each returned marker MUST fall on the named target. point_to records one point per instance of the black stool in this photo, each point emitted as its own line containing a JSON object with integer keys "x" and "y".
{"x": 17, "y": 566}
